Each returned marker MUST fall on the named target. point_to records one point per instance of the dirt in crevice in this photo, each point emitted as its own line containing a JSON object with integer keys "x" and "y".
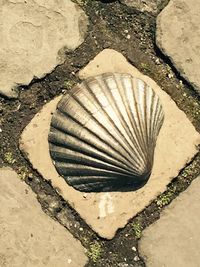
{"x": 132, "y": 33}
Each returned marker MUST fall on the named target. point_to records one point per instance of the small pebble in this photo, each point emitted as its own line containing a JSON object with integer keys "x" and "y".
{"x": 126, "y": 31}
{"x": 128, "y": 36}
{"x": 81, "y": 229}
{"x": 170, "y": 75}
{"x": 0, "y": 130}
{"x": 134, "y": 248}
{"x": 69, "y": 261}
{"x": 157, "y": 61}
{"x": 136, "y": 258}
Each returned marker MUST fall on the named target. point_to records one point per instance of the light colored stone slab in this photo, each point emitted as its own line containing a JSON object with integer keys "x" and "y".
{"x": 28, "y": 237}
{"x": 173, "y": 241}
{"x": 143, "y": 5}
{"x": 106, "y": 212}
{"x": 34, "y": 34}
{"x": 178, "y": 36}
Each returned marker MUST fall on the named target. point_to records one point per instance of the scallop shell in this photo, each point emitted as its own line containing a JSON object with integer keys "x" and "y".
{"x": 103, "y": 133}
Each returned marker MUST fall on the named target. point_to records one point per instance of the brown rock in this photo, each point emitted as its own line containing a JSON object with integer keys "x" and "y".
{"x": 28, "y": 237}
{"x": 178, "y": 36}
{"x": 106, "y": 212}
{"x": 173, "y": 241}
{"x": 33, "y": 36}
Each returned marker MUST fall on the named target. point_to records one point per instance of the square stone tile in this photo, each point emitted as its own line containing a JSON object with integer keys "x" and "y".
{"x": 107, "y": 212}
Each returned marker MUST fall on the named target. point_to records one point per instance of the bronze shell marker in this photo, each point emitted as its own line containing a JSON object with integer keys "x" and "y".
{"x": 103, "y": 133}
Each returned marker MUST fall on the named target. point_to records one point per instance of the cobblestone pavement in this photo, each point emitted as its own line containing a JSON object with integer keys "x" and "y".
{"x": 28, "y": 236}
{"x": 173, "y": 240}
{"x": 49, "y": 46}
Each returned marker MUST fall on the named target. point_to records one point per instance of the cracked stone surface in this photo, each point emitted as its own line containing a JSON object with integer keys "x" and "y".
{"x": 173, "y": 241}
{"x": 34, "y": 35}
{"x": 107, "y": 212}
{"x": 144, "y": 5}
{"x": 28, "y": 237}
{"x": 178, "y": 37}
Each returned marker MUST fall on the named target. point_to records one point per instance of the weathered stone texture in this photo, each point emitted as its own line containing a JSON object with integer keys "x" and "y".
{"x": 173, "y": 241}
{"x": 178, "y": 37}
{"x": 28, "y": 237}
{"x": 33, "y": 36}
{"x": 106, "y": 212}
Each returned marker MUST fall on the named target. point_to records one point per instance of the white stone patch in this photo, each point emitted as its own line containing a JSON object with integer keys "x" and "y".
{"x": 105, "y": 205}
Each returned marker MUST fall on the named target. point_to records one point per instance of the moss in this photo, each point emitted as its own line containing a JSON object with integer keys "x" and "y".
{"x": 165, "y": 198}
{"x": 146, "y": 69}
{"x": 94, "y": 252}
{"x": 8, "y": 158}
{"x": 137, "y": 228}
{"x": 67, "y": 84}
{"x": 23, "y": 172}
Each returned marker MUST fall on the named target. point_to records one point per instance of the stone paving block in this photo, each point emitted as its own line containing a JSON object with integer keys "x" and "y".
{"x": 173, "y": 241}
{"x": 28, "y": 237}
{"x": 33, "y": 36}
{"x": 107, "y": 212}
{"x": 144, "y": 5}
{"x": 178, "y": 37}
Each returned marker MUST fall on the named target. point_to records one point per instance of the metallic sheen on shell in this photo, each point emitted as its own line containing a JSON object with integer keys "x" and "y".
{"x": 103, "y": 133}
